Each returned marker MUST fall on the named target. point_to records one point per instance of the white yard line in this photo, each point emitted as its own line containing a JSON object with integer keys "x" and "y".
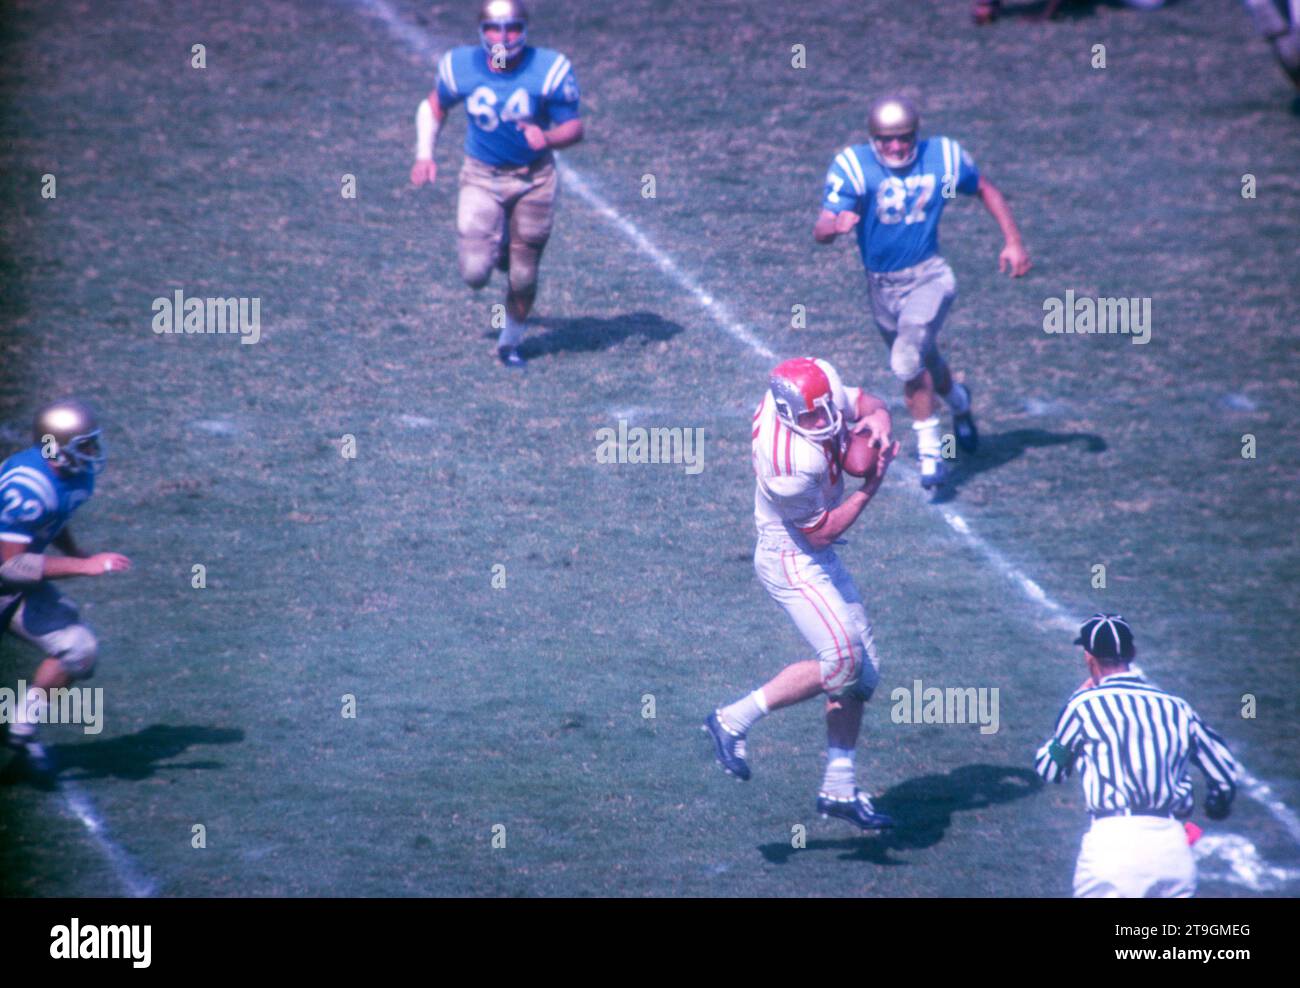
{"x": 132, "y": 879}
{"x": 1229, "y": 857}
{"x": 721, "y": 314}
{"x": 423, "y": 44}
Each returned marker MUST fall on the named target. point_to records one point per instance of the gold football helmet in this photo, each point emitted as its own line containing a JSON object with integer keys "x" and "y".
{"x": 69, "y": 436}
{"x": 506, "y": 16}
{"x": 894, "y": 117}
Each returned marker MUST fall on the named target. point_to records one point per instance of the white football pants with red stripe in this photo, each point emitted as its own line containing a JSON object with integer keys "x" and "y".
{"x": 818, "y": 593}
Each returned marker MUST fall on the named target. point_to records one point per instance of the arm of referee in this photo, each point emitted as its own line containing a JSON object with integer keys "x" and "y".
{"x": 1055, "y": 759}
{"x": 1211, "y": 755}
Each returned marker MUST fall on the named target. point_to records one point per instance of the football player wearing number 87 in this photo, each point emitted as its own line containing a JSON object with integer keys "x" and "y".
{"x": 521, "y": 103}
{"x": 892, "y": 191}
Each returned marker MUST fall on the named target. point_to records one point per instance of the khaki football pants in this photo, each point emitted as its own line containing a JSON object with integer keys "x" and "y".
{"x": 490, "y": 197}
{"x": 909, "y": 307}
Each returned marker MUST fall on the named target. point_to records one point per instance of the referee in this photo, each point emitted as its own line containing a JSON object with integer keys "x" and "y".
{"x": 1134, "y": 743}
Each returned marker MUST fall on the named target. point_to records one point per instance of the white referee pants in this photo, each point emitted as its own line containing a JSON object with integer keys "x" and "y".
{"x": 1135, "y": 857}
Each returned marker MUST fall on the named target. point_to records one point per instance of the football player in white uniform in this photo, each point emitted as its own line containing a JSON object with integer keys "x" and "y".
{"x": 800, "y": 434}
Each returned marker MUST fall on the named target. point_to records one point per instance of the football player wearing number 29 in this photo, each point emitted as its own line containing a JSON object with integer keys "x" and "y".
{"x": 521, "y": 103}
{"x": 886, "y": 189}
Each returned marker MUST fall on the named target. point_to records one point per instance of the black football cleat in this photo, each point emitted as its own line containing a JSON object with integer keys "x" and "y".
{"x": 728, "y": 746}
{"x": 16, "y": 743}
{"x": 511, "y": 357}
{"x": 38, "y": 759}
{"x": 32, "y": 763}
{"x": 963, "y": 427}
{"x": 856, "y": 810}
{"x": 934, "y": 472}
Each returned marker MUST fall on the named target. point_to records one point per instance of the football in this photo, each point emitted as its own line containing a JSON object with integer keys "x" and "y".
{"x": 860, "y": 454}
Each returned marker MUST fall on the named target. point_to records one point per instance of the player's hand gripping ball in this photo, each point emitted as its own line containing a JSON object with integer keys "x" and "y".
{"x": 861, "y": 454}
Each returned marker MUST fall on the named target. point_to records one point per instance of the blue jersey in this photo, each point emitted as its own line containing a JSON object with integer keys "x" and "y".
{"x": 541, "y": 89}
{"x": 900, "y": 207}
{"x": 35, "y": 501}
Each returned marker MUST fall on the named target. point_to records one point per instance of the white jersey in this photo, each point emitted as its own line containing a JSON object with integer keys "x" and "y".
{"x": 799, "y": 481}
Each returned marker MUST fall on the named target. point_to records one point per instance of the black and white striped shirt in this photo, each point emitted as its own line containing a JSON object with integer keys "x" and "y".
{"x": 1135, "y": 742}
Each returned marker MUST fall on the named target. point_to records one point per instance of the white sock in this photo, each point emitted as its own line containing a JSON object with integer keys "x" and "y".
{"x": 30, "y": 713}
{"x": 512, "y": 333}
{"x": 958, "y": 399}
{"x": 928, "y": 440}
{"x": 839, "y": 778}
{"x": 745, "y": 712}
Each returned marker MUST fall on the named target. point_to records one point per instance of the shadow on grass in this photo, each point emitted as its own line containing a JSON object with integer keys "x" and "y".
{"x": 999, "y": 449}
{"x": 135, "y": 756}
{"x": 1038, "y": 10}
{"x": 592, "y": 333}
{"x": 923, "y": 809}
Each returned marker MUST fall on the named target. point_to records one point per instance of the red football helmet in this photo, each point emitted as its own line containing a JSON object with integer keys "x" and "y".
{"x": 801, "y": 392}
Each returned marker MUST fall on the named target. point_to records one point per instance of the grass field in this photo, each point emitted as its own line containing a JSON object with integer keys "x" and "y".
{"x": 523, "y": 706}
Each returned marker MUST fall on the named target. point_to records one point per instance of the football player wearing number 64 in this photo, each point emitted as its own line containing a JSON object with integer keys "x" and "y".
{"x": 890, "y": 193}
{"x": 521, "y": 103}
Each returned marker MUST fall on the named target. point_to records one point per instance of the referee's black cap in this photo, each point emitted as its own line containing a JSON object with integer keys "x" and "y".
{"x": 1107, "y": 636}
